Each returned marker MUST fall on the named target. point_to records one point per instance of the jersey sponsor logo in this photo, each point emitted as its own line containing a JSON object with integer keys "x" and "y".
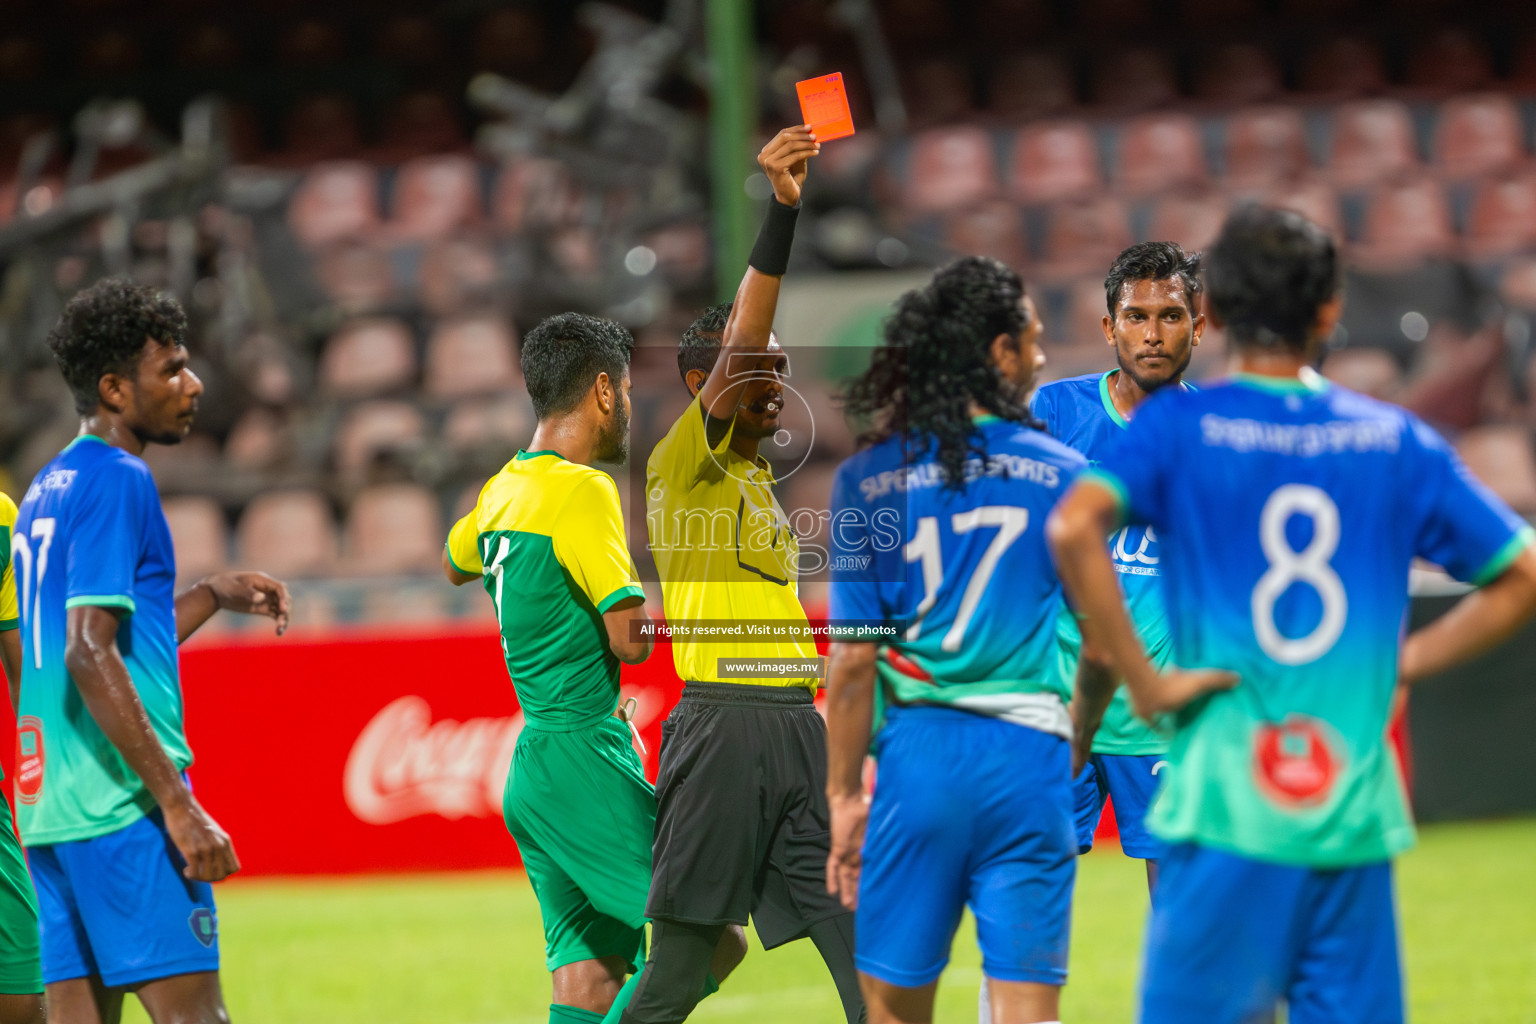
{"x": 205, "y": 927}
{"x": 403, "y": 764}
{"x": 1297, "y": 761}
{"x": 931, "y": 474}
{"x": 1306, "y": 440}
{"x": 29, "y": 759}
{"x": 58, "y": 480}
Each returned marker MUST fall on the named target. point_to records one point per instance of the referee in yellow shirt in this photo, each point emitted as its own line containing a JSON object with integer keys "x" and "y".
{"x": 741, "y": 825}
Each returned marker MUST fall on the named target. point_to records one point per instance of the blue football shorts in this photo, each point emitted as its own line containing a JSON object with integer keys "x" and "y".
{"x": 1230, "y": 936}
{"x": 968, "y": 810}
{"x": 1131, "y": 781}
{"x": 117, "y": 906}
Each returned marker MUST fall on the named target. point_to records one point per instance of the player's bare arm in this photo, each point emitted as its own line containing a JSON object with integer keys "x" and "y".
{"x": 627, "y": 639}
{"x": 1092, "y": 690}
{"x": 455, "y": 575}
{"x": 10, "y": 660}
{"x": 1076, "y": 532}
{"x": 1478, "y": 622}
{"x": 784, "y": 161}
{"x": 850, "y": 715}
{"x": 96, "y": 666}
{"x": 250, "y": 593}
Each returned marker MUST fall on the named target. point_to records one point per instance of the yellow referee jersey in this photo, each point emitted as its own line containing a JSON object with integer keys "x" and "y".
{"x": 9, "y": 617}
{"x": 723, "y": 549}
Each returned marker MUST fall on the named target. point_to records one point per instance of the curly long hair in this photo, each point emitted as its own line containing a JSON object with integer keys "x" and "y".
{"x": 934, "y": 361}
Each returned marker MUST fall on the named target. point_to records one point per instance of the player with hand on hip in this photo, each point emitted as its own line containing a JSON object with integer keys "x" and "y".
{"x": 1289, "y": 510}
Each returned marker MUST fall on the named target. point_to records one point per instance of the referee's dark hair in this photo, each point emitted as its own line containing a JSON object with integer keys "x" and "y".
{"x": 563, "y": 355}
{"x": 1268, "y": 275}
{"x": 935, "y": 360}
{"x": 700, "y": 347}
{"x": 1155, "y": 261}
{"x": 104, "y": 329}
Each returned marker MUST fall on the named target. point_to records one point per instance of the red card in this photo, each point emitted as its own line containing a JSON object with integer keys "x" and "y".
{"x": 824, "y": 105}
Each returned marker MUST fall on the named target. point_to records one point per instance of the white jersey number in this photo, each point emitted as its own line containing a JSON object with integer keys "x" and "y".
{"x": 1010, "y": 522}
{"x": 1309, "y": 566}
{"x": 22, "y": 560}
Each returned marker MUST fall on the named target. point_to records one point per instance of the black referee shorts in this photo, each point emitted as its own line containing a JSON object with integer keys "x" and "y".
{"x": 741, "y": 822}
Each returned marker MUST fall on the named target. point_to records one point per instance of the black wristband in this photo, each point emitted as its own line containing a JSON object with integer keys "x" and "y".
{"x": 770, "y": 254}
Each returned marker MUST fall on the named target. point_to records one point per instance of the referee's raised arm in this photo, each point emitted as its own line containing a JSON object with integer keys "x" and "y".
{"x": 745, "y": 340}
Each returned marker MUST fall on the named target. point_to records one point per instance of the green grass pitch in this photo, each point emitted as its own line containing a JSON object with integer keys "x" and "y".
{"x": 467, "y": 948}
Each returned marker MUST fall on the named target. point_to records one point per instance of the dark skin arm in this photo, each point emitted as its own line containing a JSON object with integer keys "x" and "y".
{"x": 254, "y": 593}
{"x": 456, "y": 577}
{"x": 744, "y": 345}
{"x": 10, "y": 659}
{"x": 850, "y": 716}
{"x": 1076, "y": 531}
{"x": 1477, "y": 623}
{"x": 1092, "y": 691}
{"x": 96, "y": 666}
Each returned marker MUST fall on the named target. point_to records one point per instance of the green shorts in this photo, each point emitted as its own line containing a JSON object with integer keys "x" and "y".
{"x": 584, "y": 817}
{"x": 21, "y": 959}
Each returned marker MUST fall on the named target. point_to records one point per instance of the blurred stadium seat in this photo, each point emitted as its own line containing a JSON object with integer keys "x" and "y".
{"x": 1029, "y": 85}
{"x": 336, "y": 200}
{"x": 1158, "y": 152}
{"x": 948, "y": 169}
{"x": 1502, "y": 220}
{"x": 1239, "y": 73}
{"x": 994, "y": 229}
{"x": 1478, "y": 134}
{"x": 368, "y": 357}
{"x": 200, "y": 535}
{"x": 394, "y": 529}
{"x": 1406, "y": 221}
{"x": 373, "y": 429}
{"x": 470, "y": 356}
{"x": 1192, "y": 219}
{"x": 1085, "y": 236}
{"x": 1450, "y": 59}
{"x": 1139, "y": 78}
{"x": 1370, "y": 371}
{"x": 1264, "y": 146}
{"x": 1054, "y": 160}
{"x": 288, "y": 533}
{"x": 435, "y": 195}
{"x": 1372, "y": 140}
{"x": 1502, "y": 457}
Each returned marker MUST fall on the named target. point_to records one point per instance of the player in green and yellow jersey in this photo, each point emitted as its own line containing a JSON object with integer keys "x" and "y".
{"x": 547, "y": 540}
{"x": 21, "y": 964}
{"x": 742, "y": 825}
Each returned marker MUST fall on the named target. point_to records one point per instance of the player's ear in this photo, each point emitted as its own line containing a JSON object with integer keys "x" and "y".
{"x": 1328, "y": 316}
{"x": 1197, "y": 328}
{"x": 1006, "y": 355}
{"x": 1108, "y": 323}
{"x": 695, "y": 380}
{"x": 112, "y": 391}
{"x": 603, "y": 389}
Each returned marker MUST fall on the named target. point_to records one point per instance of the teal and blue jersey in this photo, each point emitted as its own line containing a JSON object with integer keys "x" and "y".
{"x": 91, "y": 532}
{"x": 1078, "y": 412}
{"x": 1289, "y": 512}
{"x": 962, "y": 579}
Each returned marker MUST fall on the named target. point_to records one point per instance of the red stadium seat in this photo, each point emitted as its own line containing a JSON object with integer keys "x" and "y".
{"x": 336, "y": 200}
{"x": 200, "y": 536}
{"x": 394, "y": 529}
{"x": 949, "y": 169}
{"x": 1343, "y": 66}
{"x": 1265, "y": 146}
{"x": 1193, "y": 219}
{"x": 1373, "y": 140}
{"x": 1503, "y": 217}
{"x": 1370, "y": 371}
{"x": 1406, "y": 221}
{"x": 372, "y": 429}
{"x": 368, "y": 357}
{"x": 1450, "y": 60}
{"x": 322, "y": 128}
{"x": 1054, "y": 160}
{"x": 1478, "y": 134}
{"x": 1086, "y": 235}
{"x": 994, "y": 229}
{"x": 288, "y": 534}
{"x": 1031, "y": 85}
{"x": 498, "y": 421}
{"x": 1314, "y": 200}
{"x": 456, "y": 274}
{"x": 1239, "y": 73}
{"x": 1159, "y": 152}
{"x": 435, "y": 195}
{"x": 471, "y": 356}
{"x": 1140, "y": 78}
{"x": 422, "y": 122}
{"x": 532, "y": 193}
{"x": 258, "y": 440}
{"x": 356, "y": 275}
{"x": 1502, "y": 458}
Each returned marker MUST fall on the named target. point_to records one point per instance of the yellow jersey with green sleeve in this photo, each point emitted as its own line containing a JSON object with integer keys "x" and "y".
{"x": 10, "y": 618}
{"x": 547, "y": 536}
{"x": 724, "y": 551}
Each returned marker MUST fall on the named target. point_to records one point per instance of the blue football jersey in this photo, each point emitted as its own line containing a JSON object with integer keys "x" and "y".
{"x": 91, "y": 532}
{"x": 964, "y": 577}
{"x": 1078, "y": 412}
{"x": 1289, "y": 513}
